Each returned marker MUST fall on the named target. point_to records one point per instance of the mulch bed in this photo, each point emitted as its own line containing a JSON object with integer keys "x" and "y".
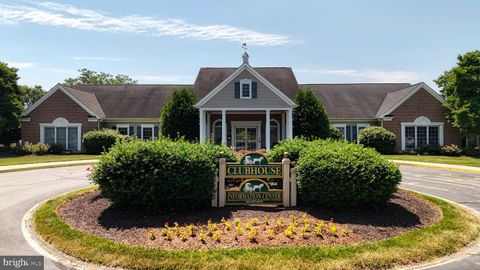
{"x": 91, "y": 213}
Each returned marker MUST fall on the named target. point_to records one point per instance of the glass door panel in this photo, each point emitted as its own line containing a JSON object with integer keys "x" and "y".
{"x": 251, "y": 139}
{"x": 240, "y": 137}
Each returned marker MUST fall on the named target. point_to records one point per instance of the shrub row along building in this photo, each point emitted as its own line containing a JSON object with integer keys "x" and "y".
{"x": 246, "y": 108}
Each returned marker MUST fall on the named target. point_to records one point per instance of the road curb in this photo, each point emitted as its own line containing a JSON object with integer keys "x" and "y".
{"x": 62, "y": 260}
{"x": 469, "y": 250}
{"x": 441, "y": 166}
{"x": 47, "y": 165}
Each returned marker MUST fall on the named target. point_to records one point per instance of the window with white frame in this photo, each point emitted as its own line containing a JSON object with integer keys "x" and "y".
{"x": 351, "y": 131}
{"x": 246, "y": 88}
{"x": 421, "y": 132}
{"x": 147, "y": 132}
{"x": 61, "y": 132}
{"x": 123, "y": 129}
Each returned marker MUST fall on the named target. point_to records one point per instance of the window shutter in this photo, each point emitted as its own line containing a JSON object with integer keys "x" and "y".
{"x": 139, "y": 131}
{"x": 130, "y": 130}
{"x": 155, "y": 132}
{"x": 114, "y": 127}
{"x": 237, "y": 89}
{"x": 254, "y": 89}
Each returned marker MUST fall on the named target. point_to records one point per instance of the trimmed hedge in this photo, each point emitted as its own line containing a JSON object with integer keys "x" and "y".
{"x": 378, "y": 138}
{"x": 97, "y": 141}
{"x": 292, "y": 146}
{"x": 338, "y": 174}
{"x": 161, "y": 175}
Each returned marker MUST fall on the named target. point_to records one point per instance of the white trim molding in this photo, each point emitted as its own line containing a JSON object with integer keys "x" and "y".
{"x": 61, "y": 122}
{"x": 51, "y": 92}
{"x": 246, "y": 82}
{"x": 422, "y": 121}
{"x": 257, "y": 75}
{"x": 151, "y": 126}
{"x": 127, "y": 126}
{"x": 246, "y": 124}
{"x": 420, "y": 86}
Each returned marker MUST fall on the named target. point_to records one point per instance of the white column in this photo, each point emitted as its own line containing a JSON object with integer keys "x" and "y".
{"x": 267, "y": 129}
{"x": 202, "y": 125}
{"x": 289, "y": 124}
{"x": 209, "y": 126}
{"x": 224, "y": 127}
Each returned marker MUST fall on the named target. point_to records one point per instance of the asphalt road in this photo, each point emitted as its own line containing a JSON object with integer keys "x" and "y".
{"x": 463, "y": 188}
{"x": 19, "y": 191}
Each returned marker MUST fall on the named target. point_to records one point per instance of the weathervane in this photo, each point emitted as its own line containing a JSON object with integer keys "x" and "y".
{"x": 244, "y": 46}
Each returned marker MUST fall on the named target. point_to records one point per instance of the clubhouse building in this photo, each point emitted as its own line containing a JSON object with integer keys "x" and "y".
{"x": 244, "y": 107}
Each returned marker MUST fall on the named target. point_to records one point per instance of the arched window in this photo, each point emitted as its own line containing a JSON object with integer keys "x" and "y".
{"x": 217, "y": 132}
{"x": 274, "y": 132}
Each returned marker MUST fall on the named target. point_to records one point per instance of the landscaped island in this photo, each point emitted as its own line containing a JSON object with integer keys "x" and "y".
{"x": 157, "y": 204}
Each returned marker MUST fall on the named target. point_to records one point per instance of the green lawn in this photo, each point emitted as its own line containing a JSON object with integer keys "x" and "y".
{"x": 29, "y": 159}
{"x": 463, "y": 160}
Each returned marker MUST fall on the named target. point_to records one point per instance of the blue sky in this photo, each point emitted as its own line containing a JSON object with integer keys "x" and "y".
{"x": 168, "y": 41}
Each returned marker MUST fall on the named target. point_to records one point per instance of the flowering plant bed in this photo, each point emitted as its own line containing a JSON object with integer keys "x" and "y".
{"x": 233, "y": 227}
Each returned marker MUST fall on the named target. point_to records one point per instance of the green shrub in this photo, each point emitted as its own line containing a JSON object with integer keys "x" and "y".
{"x": 471, "y": 151}
{"x": 452, "y": 150}
{"x": 161, "y": 175}
{"x": 55, "y": 148}
{"x": 17, "y": 149}
{"x": 310, "y": 119}
{"x": 39, "y": 149}
{"x": 179, "y": 117}
{"x": 338, "y": 174}
{"x": 335, "y": 133}
{"x": 428, "y": 149}
{"x": 378, "y": 138}
{"x": 97, "y": 141}
{"x": 292, "y": 146}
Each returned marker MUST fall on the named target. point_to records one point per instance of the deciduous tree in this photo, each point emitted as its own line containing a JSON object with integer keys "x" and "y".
{"x": 31, "y": 94}
{"x": 460, "y": 86}
{"x": 11, "y": 106}
{"x": 98, "y": 78}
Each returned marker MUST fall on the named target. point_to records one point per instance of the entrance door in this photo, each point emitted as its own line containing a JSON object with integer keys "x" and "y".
{"x": 246, "y": 138}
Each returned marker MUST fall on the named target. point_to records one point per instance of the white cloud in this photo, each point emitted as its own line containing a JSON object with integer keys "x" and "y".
{"x": 99, "y": 58}
{"x": 369, "y": 75}
{"x": 21, "y": 65}
{"x": 162, "y": 79}
{"x": 56, "y": 14}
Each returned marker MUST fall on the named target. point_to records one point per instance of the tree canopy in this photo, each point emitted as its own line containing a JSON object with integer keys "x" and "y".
{"x": 460, "y": 86}
{"x": 11, "y": 106}
{"x": 98, "y": 78}
{"x": 310, "y": 119}
{"x": 30, "y": 95}
{"x": 179, "y": 117}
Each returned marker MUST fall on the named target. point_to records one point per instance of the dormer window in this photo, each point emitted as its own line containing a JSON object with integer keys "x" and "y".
{"x": 246, "y": 89}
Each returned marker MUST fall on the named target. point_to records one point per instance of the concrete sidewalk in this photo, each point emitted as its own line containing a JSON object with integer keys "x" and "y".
{"x": 449, "y": 167}
{"x": 33, "y": 166}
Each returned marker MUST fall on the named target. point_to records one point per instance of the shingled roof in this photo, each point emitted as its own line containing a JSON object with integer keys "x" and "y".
{"x": 341, "y": 101}
{"x": 125, "y": 101}
{"x": 281, "y": 77}
{"x": 357, "y": 100}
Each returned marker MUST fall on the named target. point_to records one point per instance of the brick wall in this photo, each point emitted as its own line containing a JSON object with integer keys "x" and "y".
{"x": 57, "y": 105}
{"x": 422, "y": 103}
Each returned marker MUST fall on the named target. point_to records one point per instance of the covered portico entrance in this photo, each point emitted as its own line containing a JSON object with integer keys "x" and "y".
{"x": 244, "y": 128}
